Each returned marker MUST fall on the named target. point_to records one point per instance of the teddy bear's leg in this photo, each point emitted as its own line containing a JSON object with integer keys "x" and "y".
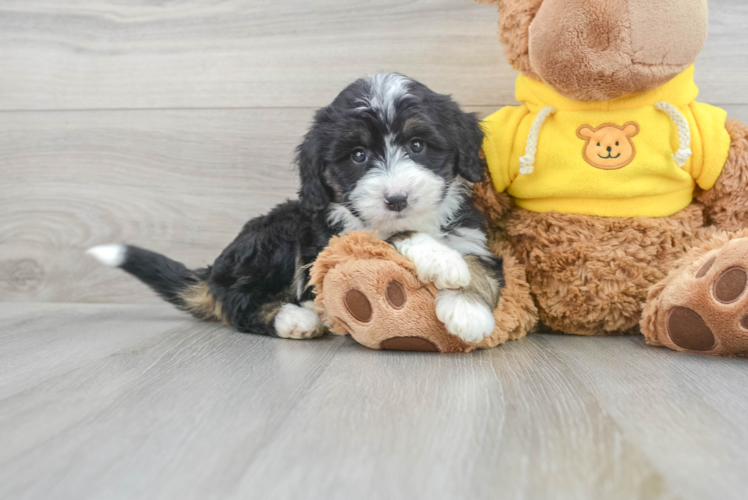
{"x": 590, "y": 275}
{"x": 383, "y": 306}
{"x": 702, "y": 305}
{"x": 516, "y": 315}
{"x": 727, "y": 202}
{"x": 372, "y": 292}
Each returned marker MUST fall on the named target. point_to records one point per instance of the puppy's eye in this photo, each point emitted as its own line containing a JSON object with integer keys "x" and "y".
{"x": 359, "y": 155}
{"x": 616, "y": 143}
{"x": 598, "y": 144}
{"x": 417, "y": 146}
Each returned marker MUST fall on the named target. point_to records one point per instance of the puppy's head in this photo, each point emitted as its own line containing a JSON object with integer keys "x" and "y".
{"x": 389, "y": 154}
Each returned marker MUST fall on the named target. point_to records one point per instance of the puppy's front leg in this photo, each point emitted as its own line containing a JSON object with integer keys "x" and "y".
{"x": 468, "y": 312}
{"x": 302, "y": 321}
{"x": 435, "y": 262}
{"x": 469, "y": 286}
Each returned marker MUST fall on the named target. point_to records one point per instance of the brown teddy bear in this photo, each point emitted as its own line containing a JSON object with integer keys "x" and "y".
{"x": 617, "y": 201}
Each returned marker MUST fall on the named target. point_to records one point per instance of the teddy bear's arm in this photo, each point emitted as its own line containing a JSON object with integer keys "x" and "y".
{"x": 727, "y": 202}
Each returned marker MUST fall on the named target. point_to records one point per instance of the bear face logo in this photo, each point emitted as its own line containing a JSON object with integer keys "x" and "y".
{"x": 608, "y": 146}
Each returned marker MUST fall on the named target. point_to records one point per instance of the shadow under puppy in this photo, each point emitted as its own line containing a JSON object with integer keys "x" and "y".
{"x": 388, "y": 155}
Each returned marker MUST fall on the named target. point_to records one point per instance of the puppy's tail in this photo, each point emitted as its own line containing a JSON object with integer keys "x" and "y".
{"x": 185, "y": 288}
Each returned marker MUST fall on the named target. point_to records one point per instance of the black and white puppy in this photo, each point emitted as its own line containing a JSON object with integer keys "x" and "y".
{"x": 388, "y": 154}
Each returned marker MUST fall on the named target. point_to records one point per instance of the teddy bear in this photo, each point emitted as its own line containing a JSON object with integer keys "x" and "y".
{"x": 618, "y": 203}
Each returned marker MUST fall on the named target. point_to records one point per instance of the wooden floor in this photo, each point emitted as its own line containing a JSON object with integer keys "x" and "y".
{"x": 138, "y": 401}
{"x": 167, "y": 124}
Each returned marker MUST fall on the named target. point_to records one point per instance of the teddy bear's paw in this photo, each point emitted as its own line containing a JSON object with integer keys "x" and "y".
{"x": 463, "y": 317}
{"x": 435, "y": 263}
{"x": 294, "y": 322}
{"x": 706, "y": 310}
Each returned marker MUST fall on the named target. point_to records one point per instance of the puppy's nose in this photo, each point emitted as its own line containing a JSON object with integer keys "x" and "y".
{"x": 610, "y": 149}
{"x": 396, "y": 203}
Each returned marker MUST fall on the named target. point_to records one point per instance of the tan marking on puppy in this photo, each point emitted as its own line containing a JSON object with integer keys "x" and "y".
{"x": 268, "y": 312}
{"x": 336, "y": 188}
{"x": 400, "y": 237}
{"x": 201, "y": 303}
{"x": 483, "y": 287}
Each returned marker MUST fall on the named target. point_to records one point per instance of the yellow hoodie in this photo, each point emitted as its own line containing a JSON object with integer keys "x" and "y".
{"x": 636, "y": 156}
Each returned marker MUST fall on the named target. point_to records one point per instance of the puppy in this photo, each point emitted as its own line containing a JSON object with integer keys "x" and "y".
{"x": 389, "y": 155}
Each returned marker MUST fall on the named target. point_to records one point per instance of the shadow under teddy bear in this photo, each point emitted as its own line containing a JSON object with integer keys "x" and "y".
{"x": 618, "y": 203}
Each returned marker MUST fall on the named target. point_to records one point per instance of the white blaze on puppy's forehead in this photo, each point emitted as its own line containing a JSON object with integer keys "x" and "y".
{"x": 385, "y": 90}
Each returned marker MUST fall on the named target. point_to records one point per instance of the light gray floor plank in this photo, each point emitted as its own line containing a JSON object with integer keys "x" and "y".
{"x": 39, "y": 343}
{"x": 178, "y": 182}
{"x": 198, "y": 411}
{"x": 120, "y": 426}
{"x": 685, "y": 412}
{"x": 96, "y": 54}
{"x": 506, "y": 423}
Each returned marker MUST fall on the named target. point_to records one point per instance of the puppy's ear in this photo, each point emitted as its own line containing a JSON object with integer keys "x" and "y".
{"x": 466, "y": 137}
{"x": 313, "y": 194}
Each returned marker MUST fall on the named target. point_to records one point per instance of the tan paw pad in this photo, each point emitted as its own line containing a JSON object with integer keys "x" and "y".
{"x": 707, "y": 310}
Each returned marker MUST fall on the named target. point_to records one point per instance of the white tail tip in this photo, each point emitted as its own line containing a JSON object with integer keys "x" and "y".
{"x": 111, "y": 255}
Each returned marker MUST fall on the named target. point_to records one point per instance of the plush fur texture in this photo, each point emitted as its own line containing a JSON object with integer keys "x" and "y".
{"x": 596, "y": 51}
{"x": 691, "y": 285}
{"x": 593, "y": 275}
{"x": 727, "y": 202}
{"x": 590, "y": 275}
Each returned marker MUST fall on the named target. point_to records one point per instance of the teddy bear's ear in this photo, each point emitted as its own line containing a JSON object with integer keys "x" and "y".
{"x": 631, "y": 129}
{"x": 585, "y": 132}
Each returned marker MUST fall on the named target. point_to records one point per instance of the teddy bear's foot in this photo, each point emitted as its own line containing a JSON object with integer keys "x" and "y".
{"x": 372, "y": 292}
{"x": 704, "y": 308}
{"x": 383, "y": 306}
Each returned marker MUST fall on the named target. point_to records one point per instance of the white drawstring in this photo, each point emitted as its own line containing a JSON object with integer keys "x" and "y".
{"x": 684, "y": 133}
{"x": 527, "y": 162}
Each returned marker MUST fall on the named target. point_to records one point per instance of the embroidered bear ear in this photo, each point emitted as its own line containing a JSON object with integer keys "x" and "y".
{"x": 585, "y": 132}
{"x": 630, "y": 129}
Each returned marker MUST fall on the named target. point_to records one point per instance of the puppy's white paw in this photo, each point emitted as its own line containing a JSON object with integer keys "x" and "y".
{"x": 435, "y": 263}
{"x": 294, "y": 322}
{"x": 469, "y": 320}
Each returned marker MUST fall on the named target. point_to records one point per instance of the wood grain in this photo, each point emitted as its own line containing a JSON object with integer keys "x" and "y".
{"x": 238, "y": 53}
{"x": 168, "y": 125}
{"x": 181, "y": 182}
{"x": 106, "y": 54}
{"x": 195, "y": 410}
